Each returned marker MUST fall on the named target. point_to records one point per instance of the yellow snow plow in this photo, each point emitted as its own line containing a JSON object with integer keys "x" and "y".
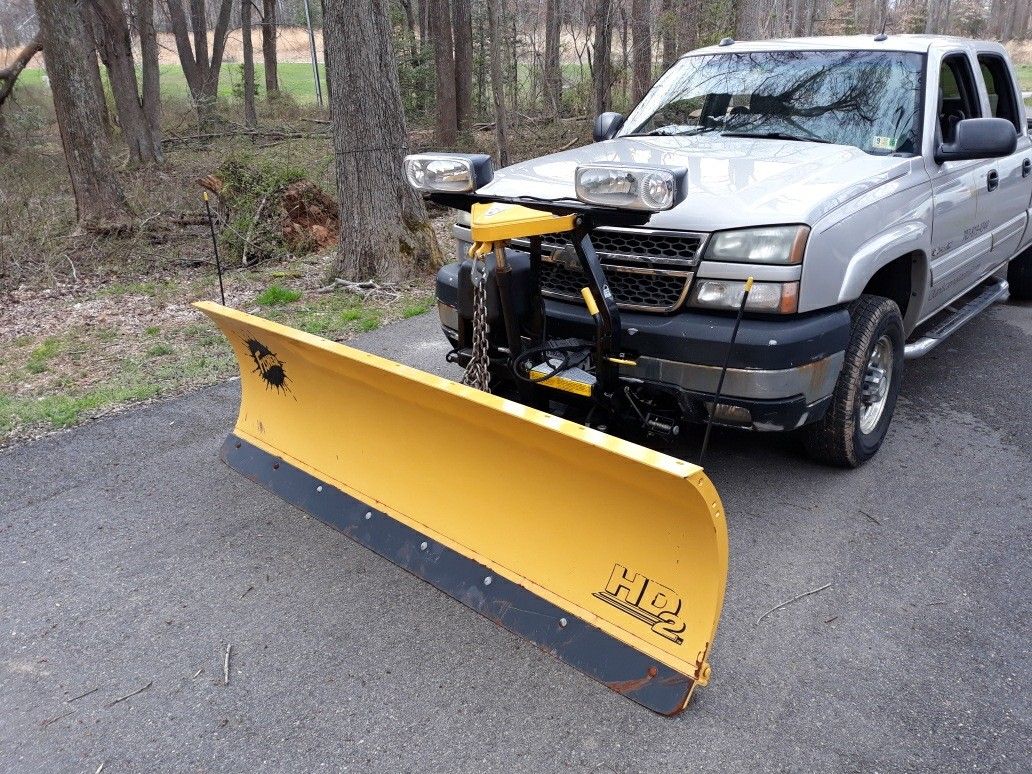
{"x": 609, "y": 555}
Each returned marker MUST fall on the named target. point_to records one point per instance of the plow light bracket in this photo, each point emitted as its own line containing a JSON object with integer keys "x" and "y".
{"x": 448, "y": 172}
{"x": 500, "y": 221}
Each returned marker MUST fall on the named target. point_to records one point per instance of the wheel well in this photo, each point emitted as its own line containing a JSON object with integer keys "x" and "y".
{"x": 894, "y": 281}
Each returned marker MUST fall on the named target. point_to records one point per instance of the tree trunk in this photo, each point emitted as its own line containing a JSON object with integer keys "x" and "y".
{"x": 641, "y": 33}
{"x": 388, "y": 234}
{"x": 602, "y": 81}
{"x": 552, "y": 77}
{"x": 494, "y": 24}
{"x": 151, "y": 74}
{"x": 747, "y": 20}
{"x": 668, "y": 20}
{"x": 269, "y": 48}
{"x": 250, "y": 117}
{"x": 99, "y": 199}
{"x": 326, "y": 59}
{"x": 462, "y": 23}
{"x": 444, "y": 72}
{"x": 93, "y": 37}
{"x": 118, "y": 56}
{"x": 200, "y": 69}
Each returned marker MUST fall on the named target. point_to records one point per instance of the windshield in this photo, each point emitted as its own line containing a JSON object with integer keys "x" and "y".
{"x": 868, "y": 99}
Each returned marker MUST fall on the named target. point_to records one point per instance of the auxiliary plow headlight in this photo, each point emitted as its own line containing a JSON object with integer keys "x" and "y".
{"x": 629, "y": 186}
{"x": 448, "y": 172}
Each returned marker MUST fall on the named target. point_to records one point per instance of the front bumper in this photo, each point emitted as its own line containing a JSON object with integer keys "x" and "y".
{"x": 780, "y": 376}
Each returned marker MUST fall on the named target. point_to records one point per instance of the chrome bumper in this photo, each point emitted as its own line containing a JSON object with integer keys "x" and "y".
{"x": 813, "y": 381}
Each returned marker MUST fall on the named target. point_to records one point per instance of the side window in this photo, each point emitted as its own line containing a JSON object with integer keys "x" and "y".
{"x": 958, "y": 98}
{"x": 1002, "y": 102}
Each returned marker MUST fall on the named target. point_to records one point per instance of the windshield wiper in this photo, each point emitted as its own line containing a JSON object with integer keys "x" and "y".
{"x": 670, "y": 131}
{"x": 777, "y": 136}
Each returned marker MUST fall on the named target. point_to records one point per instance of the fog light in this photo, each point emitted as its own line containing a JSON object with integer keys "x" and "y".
{"x": 734, "y": 415}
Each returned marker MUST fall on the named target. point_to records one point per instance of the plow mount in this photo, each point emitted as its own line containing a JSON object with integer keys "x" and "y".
{"x": 605, "y": 554}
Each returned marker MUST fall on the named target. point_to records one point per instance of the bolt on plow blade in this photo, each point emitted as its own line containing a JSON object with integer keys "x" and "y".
{"x": 608, "y": 555}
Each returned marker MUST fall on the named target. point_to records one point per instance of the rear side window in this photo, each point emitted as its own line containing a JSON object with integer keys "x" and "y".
{"x": 958, "y": 98}
{"x": 1002, "y": 102}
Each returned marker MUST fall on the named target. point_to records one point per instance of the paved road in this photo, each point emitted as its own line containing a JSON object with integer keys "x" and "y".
{"x": 131, "y": 558}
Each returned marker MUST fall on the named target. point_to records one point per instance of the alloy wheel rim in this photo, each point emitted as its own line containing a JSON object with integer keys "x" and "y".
{"x": 874, "y": 390}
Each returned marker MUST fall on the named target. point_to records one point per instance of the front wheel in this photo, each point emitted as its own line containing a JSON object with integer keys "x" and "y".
{"x": 865, "y": 394}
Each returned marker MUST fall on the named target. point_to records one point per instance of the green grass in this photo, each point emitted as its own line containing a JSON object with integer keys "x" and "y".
{"x": 277, "y": 295}
{"x": 1024, "y": 76}
{"x": 152, "y": 330}
{"x": 295, "y": 79}
{"x": 37, "y": 362}
{"x": 60, "y": 411}
{"x": 159, "y": 350}
{"x": 416, "y": 308}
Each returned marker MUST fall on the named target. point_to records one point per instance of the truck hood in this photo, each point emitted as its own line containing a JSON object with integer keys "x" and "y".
{"x": 732, "y": 182}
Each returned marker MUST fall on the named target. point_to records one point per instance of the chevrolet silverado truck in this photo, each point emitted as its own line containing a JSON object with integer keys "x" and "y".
{"x": 876, "y": 189}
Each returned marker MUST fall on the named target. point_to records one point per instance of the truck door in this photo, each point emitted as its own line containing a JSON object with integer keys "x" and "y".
{"x": 961, "y": 240}
{"x": 1003, "y": 197}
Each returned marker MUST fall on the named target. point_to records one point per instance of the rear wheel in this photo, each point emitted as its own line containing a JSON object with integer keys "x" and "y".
{"x": 864, "y": 399}
{"x": 1019, "y": 275}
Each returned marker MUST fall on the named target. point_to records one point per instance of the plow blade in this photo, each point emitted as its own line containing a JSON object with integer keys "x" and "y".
{"x": 608, "y": 555}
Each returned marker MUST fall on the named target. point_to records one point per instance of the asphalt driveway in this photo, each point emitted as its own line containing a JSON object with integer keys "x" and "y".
{"x": 131, "y": 558}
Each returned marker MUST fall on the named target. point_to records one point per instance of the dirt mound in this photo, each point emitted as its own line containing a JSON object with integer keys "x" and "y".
{"x": 310, "y": 218}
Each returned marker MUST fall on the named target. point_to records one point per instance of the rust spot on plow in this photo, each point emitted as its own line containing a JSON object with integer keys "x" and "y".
{"x": 629, "y": 686}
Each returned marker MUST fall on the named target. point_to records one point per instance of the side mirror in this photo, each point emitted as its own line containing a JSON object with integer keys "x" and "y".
{"x": 606, "y": 126}
{"x": 979, "y": 138}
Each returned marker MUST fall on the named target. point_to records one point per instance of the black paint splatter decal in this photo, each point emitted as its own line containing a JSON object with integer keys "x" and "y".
{"x": 268, "y": 366}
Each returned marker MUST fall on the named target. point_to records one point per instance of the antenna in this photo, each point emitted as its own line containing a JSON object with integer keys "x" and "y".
{"x": 215, "y": 247}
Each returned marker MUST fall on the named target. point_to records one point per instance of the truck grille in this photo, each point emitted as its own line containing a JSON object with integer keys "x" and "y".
{"x": 648, "y": 271}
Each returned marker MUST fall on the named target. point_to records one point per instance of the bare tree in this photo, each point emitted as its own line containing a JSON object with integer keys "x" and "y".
{"x": 151, "y": 75}
{"x": 641, "y": 33}
{"x": 144, "y": 146}
{"x": 668, "y": 33}
{"x": 250, "y": 117}
{"x": 269, "y": 47}
{"x": 602, "y": 66}
{"x": 389, "y": 235}
{"x": 8, "y": 76}
{"x": 552, "y": 77}
{"x": 462, "y": 24}
{"x": 99, "y": 199}
{"x": 494, "y": 23}
{"x": 748, "y": 18}
{"x": 200, "y": 68}
{"x": 444, "y": 71}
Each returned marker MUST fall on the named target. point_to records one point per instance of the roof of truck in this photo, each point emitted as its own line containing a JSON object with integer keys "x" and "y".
{"x": 915, "y": 43}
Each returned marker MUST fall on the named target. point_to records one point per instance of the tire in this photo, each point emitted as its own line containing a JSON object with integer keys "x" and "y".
{"x": 1019, "y": 275}
{"x": 852, "y": 430}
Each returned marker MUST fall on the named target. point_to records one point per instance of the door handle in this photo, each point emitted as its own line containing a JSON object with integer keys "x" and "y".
{"x": 1026, "y": 167}
{"x": 992, "y": 180}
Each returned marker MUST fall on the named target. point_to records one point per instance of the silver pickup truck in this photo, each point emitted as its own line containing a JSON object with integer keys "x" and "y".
{"x": 878, "y": 190}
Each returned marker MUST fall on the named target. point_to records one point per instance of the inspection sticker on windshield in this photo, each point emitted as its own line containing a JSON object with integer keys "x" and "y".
{"x": 884, "y": 143}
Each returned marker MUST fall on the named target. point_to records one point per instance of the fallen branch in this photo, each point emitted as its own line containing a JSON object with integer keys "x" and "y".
{"x": 10, "y": 74}
{"x": 225, "y": 666}
{"x": 793, "y": 599}
{"x": 130, "y": 695}
{"x": 82, "y": 695}
{"x": 250, "y": 229}
{"x": 45, "y": 723}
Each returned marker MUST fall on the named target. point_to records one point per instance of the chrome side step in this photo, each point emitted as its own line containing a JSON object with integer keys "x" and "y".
{"x": 994, "y": 290}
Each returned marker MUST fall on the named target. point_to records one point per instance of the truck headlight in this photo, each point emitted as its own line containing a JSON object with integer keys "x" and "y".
{"x": 629, "y": 186}
{"x": 771, "y": 244}
{"x": 448, "y": 172}
{"x": 767, "y": 297}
